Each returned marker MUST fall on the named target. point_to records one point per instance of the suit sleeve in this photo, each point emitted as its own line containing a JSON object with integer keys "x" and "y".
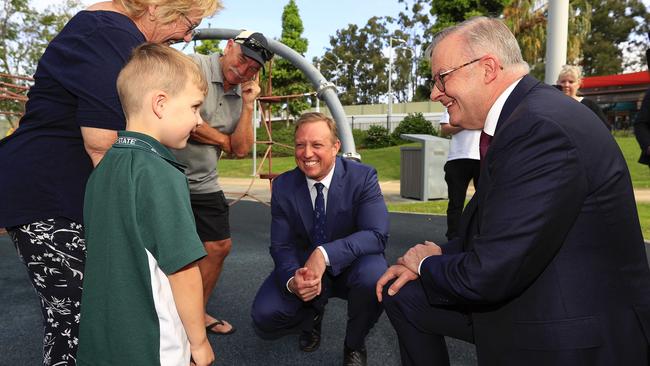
{"x": 642, "y": 124}
{"x": 284, "y": 245}
{"x": 372, "y": 228}
{"x": 536, "y": 193}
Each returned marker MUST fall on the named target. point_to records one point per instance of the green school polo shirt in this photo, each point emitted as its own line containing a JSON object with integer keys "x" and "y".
{"x": 139, "y": 228}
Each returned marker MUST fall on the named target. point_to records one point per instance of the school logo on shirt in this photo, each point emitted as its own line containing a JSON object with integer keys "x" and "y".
{"x": 126, "y": 140}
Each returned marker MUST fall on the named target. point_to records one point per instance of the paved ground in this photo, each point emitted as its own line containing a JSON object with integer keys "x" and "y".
{"x": 246, "y": 268}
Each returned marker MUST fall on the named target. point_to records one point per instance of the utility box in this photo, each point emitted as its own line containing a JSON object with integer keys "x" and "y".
{"x": 422, "y": 169}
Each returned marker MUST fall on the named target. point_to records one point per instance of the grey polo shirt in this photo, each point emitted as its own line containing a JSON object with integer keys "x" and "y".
{"x": 221, "y": 111}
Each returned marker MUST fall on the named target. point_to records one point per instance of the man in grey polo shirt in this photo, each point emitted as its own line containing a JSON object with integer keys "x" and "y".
{"x": 227, "y": 112}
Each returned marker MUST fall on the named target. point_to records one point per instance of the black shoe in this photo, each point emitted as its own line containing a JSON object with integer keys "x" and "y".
{"x": 353, "y": 357}
{"x": 309, "y": 340}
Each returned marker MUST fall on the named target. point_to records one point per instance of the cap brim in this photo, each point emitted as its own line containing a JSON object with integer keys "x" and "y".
{"x": 254, "y": 55}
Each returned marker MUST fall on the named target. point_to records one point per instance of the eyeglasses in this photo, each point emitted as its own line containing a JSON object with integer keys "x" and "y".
{"x": 256, "y": 46}
{"x": 191, "y": 26}
{"x": 439, "y": 78}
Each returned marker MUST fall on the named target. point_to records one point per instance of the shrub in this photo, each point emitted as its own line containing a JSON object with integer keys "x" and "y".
{"x": 360, "y": 137}
{"x": 414, "y": 123}
{"x": 281, "y": 134}
{"x": 377, "y": 137}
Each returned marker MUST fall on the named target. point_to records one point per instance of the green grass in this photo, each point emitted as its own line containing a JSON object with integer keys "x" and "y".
{"x": 387, "y": 163}
{"x": 631, "y": 151}
{"x": 644, "y": 218}
{"x": 385, "y": 160}
{"x": 438, "y": 207}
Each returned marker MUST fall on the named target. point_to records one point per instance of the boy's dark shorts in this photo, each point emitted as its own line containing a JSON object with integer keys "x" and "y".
{"x": 211, "y": 216}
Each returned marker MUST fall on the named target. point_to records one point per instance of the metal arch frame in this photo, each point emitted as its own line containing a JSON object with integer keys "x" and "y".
{"x": 325, "y": 90}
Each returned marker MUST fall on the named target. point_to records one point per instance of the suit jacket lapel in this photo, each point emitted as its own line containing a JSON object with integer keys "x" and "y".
{"x": 517, "y": 95}
{"x": 334, "y": 197}
{"x": 473, "y": 211}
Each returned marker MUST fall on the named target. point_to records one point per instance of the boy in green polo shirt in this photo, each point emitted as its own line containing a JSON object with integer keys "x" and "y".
{"x": 142, "y": 302}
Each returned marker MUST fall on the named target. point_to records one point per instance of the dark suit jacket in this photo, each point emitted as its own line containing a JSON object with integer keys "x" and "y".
{"x": 551, "y": 262}
{"x": 357, "y": 219}
{"x": 642, "y": 128}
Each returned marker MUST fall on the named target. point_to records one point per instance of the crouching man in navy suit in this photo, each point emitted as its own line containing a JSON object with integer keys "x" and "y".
{"x": 550, "y": 266}
{"x": 328, "y": 233}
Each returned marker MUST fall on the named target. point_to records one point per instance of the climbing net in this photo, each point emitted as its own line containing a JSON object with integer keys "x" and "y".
{"x": 13, "y": 96}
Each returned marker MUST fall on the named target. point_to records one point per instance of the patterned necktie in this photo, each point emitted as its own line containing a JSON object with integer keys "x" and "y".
{"x": 318, "y": 231}
{"x": 483, "y": 145}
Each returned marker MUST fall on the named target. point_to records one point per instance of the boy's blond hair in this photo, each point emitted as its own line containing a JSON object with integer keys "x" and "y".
{"x": 156, "y": 67}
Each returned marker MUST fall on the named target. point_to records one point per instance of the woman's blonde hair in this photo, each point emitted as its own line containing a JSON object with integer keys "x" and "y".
{"x": 169, "y": 10}
{"x": 156, "y": 67}
{"x": 574, "y": 71}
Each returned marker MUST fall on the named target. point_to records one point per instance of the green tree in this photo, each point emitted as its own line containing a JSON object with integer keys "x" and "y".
{"x": 356, "y": 64}
{"x": 24, "y": 34}
{"x": 208, "y": 46}
{"x": 613, "y": 24}
{"x": 287, "y": 79}
{"x": 416, "y": 21}
{"x": 448, "y": 13}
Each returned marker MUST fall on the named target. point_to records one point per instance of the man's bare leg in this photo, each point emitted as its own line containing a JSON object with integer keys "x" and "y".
{"x": 211, "y": 266}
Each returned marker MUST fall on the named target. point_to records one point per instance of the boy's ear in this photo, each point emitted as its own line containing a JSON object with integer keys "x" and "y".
{"x": 158, "y": 101}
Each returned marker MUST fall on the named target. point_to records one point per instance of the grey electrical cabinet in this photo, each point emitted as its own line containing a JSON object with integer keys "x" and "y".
{"x": 422, "y": 174}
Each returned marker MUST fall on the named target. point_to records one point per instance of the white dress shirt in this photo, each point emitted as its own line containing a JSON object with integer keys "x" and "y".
{"x": 327, "y": 181}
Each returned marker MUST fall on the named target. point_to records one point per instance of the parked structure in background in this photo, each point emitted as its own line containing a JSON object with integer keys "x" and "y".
{"x": 619, "y": 96}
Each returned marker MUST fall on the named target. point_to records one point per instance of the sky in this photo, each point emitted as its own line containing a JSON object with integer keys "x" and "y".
{"x": 320, "y": 19}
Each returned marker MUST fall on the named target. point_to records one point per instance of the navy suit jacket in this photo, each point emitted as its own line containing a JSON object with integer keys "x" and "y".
{"x": 642, "y": 128}
{"x": 357, "y": 219}
{"x": 551, "y": 258}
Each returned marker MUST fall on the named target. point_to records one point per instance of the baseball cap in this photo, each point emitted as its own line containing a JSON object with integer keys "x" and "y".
{"x": 254, "y": 45}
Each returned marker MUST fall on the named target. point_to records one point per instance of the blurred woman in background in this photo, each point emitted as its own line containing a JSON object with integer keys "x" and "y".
{"x": 570, "y": 79}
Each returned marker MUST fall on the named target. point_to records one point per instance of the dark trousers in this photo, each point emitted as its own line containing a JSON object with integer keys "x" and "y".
{"x": 421, "y": 327}
{"x": 276, "y": 311}
{"x": 458, "y": 174}
{"x": 54, "y": 252}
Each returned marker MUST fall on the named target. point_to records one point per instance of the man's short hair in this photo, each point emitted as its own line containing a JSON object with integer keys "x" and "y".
{"x": 156, "y": 67}
{"x": 483, "y": 35}
{"x": 312, "y": 117}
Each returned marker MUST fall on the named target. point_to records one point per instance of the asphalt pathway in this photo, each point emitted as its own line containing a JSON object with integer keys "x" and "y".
{"x": 245, "y": 269}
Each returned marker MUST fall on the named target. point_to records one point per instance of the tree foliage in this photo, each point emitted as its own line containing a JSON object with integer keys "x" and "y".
{"x": 528, "y": 23}
{"x": 355, "y": 62}
{"x": 208, "y": 46}
{"x": 448, "y": 13}
{"x": 24, "y": 34}
{"x": 616, "y": 26}
{"x": 600, "y": 33}
{"x": 287, "y": 79}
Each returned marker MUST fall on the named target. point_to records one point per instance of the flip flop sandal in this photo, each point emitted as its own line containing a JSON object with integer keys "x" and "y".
{"x": 209, "y": 329}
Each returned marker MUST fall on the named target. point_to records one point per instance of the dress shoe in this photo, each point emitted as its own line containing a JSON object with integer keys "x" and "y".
{"x": 309, "y": 340}
{"x": 353, "y": 357}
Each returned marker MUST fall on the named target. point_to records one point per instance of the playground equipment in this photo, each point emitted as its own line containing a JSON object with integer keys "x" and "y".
{"x": 325, "y": 91}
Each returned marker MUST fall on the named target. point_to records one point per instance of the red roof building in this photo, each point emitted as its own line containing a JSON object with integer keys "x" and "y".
{"x": 619, "y": 96}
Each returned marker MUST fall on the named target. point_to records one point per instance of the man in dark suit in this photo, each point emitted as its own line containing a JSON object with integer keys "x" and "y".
{"x": 642, "y": 122}
{"x": 550, "y": 267}
{"x": 328, "y": 233}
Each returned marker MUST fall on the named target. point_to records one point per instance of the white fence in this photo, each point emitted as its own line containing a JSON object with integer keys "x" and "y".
{"x": 363, "y": 122}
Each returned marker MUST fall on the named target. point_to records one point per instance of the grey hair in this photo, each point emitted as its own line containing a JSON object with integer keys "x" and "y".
{"x": 572, "y": 70}
{"x": 483, "y": 35}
